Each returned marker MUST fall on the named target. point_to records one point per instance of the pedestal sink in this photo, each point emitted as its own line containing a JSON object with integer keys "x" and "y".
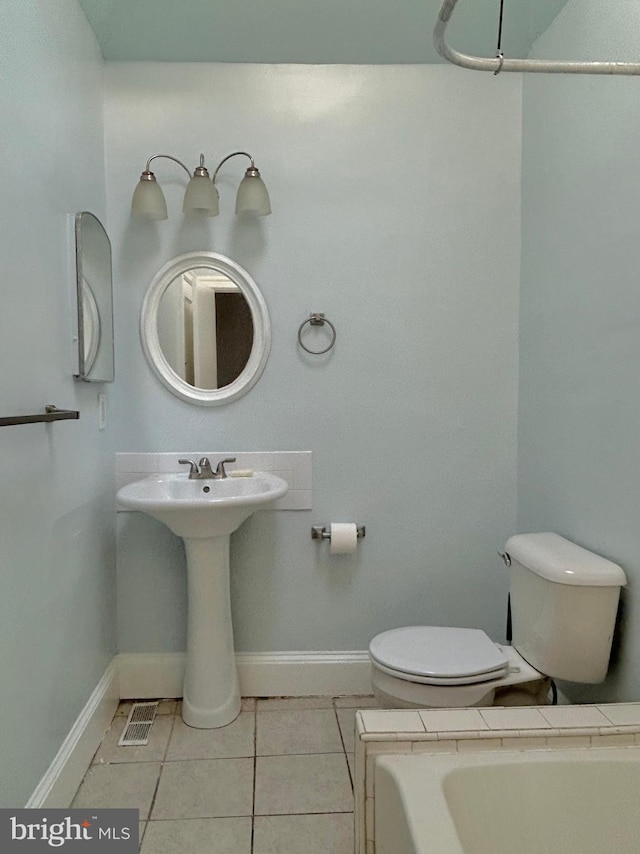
{"x": 205, "y": 513}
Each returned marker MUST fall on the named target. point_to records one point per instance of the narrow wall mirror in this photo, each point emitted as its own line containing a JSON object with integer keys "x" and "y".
{"x": 205, "y": 328}
{"x": 95, "y": 300}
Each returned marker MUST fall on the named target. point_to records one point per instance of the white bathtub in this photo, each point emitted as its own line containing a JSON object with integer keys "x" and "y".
{"x": 529, "y": 802}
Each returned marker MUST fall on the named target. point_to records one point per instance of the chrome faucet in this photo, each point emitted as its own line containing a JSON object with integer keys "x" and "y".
{"x": 203, "y": 471}
{"x": 194, "y": 472}
{"x": 219, "y": 473}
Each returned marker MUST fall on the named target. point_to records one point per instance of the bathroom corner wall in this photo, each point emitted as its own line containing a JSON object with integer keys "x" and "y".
{"x": 56, "y": 481}
{"x": 579, "y": 437}
{"x": 396, "y": 200}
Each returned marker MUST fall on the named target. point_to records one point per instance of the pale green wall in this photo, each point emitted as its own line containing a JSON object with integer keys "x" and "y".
{"x": 396, "y": 212}
{"x": 579, "y": 420}
{"x": 56, "y": 481}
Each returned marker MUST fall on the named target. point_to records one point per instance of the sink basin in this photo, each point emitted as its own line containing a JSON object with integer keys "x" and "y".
{"x": 201, "y": 508}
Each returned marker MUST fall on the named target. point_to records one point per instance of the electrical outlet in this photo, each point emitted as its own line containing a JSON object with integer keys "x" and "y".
{"x": 102, "y": 411}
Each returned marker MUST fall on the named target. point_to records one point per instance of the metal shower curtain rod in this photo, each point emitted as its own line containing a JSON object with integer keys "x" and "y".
{"x": 499, "y": 63}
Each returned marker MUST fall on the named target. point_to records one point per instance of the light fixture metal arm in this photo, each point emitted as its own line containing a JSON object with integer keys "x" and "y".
{"x": 167, "y": 157}
{"x": 499, "y": 64}
{"x": 228, "y": 157}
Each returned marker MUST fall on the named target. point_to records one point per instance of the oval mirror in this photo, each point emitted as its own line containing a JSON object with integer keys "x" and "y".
{"x": 205, "y": 328}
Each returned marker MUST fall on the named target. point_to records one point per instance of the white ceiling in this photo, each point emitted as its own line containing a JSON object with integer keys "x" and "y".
{"x": 309, "y": 31}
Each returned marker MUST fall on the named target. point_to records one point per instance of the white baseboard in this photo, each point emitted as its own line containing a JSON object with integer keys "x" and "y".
{"x": 66, "y": 772}
{"x": 261, "y": 674}
{"x": 150, "y": 675}
{"x": 303, "y": 674}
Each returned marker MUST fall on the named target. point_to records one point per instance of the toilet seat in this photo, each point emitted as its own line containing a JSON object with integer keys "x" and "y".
{"x": 437, "y": 655}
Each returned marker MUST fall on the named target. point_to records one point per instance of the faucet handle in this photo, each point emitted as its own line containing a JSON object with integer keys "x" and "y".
{"x": 193, "y": 470}
{"x": 220, "y": 472}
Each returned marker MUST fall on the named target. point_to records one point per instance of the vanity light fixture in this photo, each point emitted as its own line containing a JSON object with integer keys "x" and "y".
{"x": 201, "y": 195}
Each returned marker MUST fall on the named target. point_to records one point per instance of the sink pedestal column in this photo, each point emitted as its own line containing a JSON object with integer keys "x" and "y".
{"x": 211, "y": 692}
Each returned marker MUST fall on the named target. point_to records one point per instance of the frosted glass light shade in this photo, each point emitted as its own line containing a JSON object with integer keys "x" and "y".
{"x": 148, "y": 200}
{"x": 201, "y": 197}
{"x": 252, "y": 195}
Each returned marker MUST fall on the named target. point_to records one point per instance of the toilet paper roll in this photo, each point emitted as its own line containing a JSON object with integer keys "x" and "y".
{"x": 344, "y": 538}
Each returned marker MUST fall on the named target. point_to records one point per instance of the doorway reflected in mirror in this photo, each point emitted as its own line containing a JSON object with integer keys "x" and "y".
{"x": 205, "y": 328}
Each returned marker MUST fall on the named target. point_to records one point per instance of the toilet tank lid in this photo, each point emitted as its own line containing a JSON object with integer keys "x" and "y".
{"x": 556, "y": 559}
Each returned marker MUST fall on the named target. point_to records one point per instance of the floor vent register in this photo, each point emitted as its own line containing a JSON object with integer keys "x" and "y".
{"x": 138, "y": 726}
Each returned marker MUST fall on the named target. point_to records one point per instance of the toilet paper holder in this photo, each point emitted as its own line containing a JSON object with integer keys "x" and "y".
{"x": 320, "y": 532}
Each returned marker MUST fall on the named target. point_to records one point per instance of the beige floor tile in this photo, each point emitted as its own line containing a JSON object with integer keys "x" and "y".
{"x": 302, "y": 784}
{"x": 351, "y": 762}
{"x": 364, "y": 701}
{"x": 297, "y": 731}
{"x": 234, "y": 740}
{"x": 205, "y": 788}
{"x": 119, "y": 786}
{"x": 141, "y": 830}
{"x": 249, "y": 704}
{"x": 199, "y": 836}
{"x": 304, "y": 834}
{"x": 289, "y": 703}
{"x": 347, "y": 722}
{"x": 152, "y": 752}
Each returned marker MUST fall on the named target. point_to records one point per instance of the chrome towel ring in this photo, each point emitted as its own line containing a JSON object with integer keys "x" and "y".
{"x": 317, "y": 319}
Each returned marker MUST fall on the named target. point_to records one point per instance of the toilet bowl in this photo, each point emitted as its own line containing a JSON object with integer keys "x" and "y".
{"x": 442, "y": 667}
{"x": 564, "y": 601}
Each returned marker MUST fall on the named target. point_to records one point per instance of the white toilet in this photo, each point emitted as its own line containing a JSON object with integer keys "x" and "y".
{"x": 564, "y": 601}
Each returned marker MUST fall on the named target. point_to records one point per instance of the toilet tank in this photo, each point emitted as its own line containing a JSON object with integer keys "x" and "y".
{"x": 564, "y": 601}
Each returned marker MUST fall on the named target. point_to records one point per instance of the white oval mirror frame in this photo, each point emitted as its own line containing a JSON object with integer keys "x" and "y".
{"x": 151, "y": 342}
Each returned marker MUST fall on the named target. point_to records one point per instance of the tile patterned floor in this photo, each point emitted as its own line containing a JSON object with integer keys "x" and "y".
{"x": 278, "y": 780}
